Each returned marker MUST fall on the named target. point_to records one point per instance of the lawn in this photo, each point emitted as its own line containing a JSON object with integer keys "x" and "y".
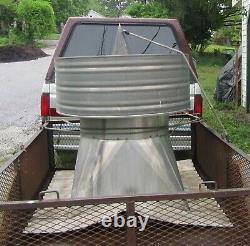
{"x": 218, "y": 48}
{"x": 235, "y": 120}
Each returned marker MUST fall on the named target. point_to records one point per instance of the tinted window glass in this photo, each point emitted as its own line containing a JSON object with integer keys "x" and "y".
{"x": 93, "y": 40}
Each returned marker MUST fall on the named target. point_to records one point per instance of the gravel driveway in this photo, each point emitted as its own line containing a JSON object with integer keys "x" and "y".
{"x": 20, "y": 87}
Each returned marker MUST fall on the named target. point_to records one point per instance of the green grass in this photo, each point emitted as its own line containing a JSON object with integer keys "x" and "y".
{"x": 215, "y": 47}
{"x": 65, "y": 159}
{"x": 235, "y": 120}
{"x": 4, "y": 40}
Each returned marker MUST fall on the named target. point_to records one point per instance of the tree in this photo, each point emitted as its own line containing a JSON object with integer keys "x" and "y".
{"x": 37, "y": 17}
{"x": 200, "y": 18}
{"x": 66, "y": 8}
{"x": 152, "y": 9}
{"x": 80, "y": 7}
{"x": 114, "y": 8}
{"x": 63, "y": 10}
{"x": 227, "y": 35}
{"x": 7, "y": 13}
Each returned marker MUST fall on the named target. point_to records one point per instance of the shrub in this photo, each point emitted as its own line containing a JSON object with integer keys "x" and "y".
{"x": 16, "y": 36}
{"x": 36, "y": 18}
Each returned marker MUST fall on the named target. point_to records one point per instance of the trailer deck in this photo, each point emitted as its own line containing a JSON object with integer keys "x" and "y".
{"x": 213, "y": 217}
{"x": 194, "y": 213}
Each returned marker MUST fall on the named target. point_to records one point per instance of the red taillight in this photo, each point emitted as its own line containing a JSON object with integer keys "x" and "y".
{"x": 45, "y": 104}
{"x": 198, "y": 105}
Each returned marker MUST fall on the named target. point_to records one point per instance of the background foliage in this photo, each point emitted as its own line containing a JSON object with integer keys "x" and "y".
{"x": 113, "y": 8}
{"x": 155, "y": 10}
{"x": 63, "y": 9}
{"x": 201, "y": 20}
{"x": 36, "y": 18}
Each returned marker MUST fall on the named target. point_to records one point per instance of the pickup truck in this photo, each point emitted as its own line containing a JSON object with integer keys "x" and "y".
{"x": 95, "y": 37}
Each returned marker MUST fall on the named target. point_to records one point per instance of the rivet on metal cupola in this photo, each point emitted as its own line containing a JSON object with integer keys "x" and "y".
{"x": 123, "y": 101}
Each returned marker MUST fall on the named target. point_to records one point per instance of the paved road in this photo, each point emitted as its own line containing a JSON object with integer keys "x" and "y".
{"x": 20, "y": 90}
{"x": 20, "y": 87}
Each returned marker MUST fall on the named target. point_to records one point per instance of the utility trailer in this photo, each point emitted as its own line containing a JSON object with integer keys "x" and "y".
{"x": 36, "y": 207}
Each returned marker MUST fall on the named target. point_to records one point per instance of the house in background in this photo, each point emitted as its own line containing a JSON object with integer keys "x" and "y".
{"x": 245, "y": 80}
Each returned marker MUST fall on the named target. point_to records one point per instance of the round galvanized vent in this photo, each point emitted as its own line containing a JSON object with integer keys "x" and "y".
{"x": 122, "y": 86}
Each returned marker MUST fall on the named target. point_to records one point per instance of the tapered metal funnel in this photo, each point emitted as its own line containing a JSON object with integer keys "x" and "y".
{"x": 121, "y": 161}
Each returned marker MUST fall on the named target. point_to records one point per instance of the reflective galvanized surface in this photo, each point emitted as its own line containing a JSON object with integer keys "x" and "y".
{"x": 125, "y": 167}
{"x": 125, "y": 158}
{"x": 126, "y": 128}
{"x": 122, "y": 86}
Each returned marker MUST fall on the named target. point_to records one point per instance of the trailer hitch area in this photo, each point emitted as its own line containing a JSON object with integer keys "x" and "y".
{"x": 209, "y": 184}
{"x": 42, "y": 193}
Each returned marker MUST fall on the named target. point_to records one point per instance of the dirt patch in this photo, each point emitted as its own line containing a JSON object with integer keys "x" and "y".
{"x": 16, "y": 53}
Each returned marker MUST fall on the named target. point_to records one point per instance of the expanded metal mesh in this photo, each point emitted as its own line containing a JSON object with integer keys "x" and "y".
{"x": 23, "y": 176}
{"x": 67, "y": 136}
{"x": 73, "y": 225}
{"x": 10, "y": 182}
{"x": 238, "y": 170}
{"x": 218, "y": 160}
{"x": 205, "y": 221}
